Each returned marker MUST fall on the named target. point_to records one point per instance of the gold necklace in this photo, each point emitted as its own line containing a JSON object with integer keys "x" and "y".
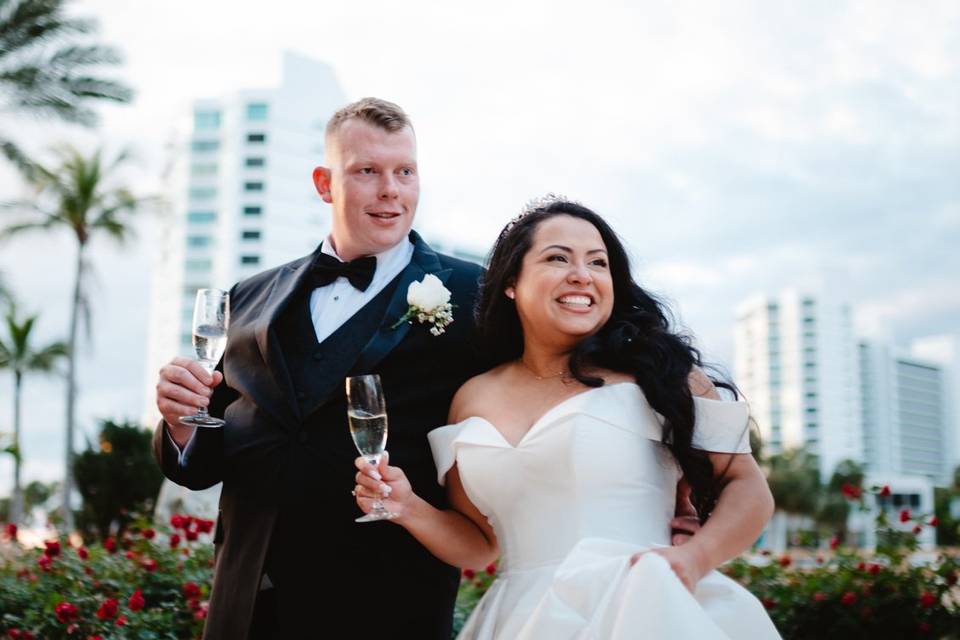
{"x": 537, "y": 375}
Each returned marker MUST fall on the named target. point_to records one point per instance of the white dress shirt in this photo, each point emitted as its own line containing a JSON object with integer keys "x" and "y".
{"x": 332, "y": 305}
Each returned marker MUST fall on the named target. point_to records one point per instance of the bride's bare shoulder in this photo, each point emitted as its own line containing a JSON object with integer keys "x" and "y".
{"x": 476, "y": 392}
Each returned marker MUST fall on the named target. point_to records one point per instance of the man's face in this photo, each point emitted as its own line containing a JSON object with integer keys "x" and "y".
{"x": 372, "y": 183}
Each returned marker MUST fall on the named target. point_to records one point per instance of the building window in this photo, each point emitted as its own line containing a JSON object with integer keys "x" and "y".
{"x": 253, "y": 186}
{"x": 205, "y": 145}
{"x": 204, "y": 169}
{"x": 250, "y": 235}
{"x": 198, "y": 241}
{"x": 249, "y": 260}
{"x": 203, "y": 193}
{"x": 255, "y": 162}
{"x": 206, "y": 120}
{"x": 199, "y": 265}
{"x": 256, "y": 138}
{"x": 201, "y": 217}
{"x": 257, "y": 111}
{"x": 252, "y": 210}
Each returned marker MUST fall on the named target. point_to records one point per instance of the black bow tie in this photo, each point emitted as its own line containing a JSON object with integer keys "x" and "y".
{"x": 325, "y": 269}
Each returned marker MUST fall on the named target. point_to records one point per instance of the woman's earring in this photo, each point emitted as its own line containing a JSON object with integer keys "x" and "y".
{"x": 510, "y": 293}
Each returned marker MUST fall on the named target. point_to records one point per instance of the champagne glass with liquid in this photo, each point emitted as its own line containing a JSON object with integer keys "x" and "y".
{"x": 211, "y": 317}
{"x": 367, "y": 415}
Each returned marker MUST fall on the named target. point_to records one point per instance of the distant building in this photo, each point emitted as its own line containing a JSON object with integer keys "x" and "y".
{"x": 796, "y": 362}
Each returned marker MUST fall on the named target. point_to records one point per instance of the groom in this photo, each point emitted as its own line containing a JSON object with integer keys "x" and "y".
{"x": 291, "y": 562}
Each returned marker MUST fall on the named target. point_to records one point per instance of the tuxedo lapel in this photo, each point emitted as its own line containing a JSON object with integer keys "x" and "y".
{"x": 284, "y": 286}
{"x": 424, "y": 261}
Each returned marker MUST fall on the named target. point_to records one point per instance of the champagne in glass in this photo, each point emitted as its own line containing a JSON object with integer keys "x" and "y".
{"x": 211, "y": 317}
{"x": 367, "y": 416}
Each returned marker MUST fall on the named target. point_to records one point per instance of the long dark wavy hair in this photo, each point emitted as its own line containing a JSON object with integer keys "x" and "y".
{"x": 637, "y": 339}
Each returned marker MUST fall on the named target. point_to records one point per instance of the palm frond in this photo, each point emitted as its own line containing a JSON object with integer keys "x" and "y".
{"x": 30, "y": 23}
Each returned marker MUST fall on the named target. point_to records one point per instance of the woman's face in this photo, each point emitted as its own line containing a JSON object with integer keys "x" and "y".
{"x": 564, "y": 292}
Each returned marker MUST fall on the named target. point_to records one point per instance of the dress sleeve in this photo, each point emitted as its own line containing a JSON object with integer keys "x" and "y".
{"x": 721, "y": 426}
{"x": 444, "y": 452}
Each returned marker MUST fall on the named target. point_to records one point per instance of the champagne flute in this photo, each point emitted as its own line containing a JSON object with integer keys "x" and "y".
{"x": 367, "y": 415}
{"x": 211, "y": 317}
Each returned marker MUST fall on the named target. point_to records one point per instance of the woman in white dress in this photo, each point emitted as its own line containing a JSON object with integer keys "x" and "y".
{"x": 563, "y": 461}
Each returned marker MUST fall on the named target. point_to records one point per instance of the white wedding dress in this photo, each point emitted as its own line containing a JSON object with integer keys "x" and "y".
{"x": 587, "y": 486}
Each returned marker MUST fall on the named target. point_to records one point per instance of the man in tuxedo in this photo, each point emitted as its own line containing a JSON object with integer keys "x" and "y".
{"x": 286, "y": 530}
{"x": 291, "y": 562}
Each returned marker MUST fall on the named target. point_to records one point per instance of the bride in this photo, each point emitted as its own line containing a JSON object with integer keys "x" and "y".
{"x": 563, "y": 461}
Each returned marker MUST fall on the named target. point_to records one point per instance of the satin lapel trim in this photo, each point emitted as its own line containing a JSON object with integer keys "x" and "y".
{"x": 284, "y": 286}
{"x": 386, "y": 338}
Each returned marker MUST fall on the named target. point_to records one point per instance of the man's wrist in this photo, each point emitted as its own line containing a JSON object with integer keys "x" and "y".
{"x": 180, "y": 433}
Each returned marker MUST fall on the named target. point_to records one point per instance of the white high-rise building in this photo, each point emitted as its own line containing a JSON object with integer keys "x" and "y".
{"x": 945, "y": 351}
{"x": 796, "y": 362}
{"x": 241, "y": 194}
{"x": 904, "y": 413}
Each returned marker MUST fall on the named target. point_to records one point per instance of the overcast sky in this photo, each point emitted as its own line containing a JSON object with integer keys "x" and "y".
{"x": 738, "y": 147}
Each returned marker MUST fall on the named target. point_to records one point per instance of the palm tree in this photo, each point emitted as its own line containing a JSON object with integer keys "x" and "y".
{"x": 46, "y": 66}
{"x": 75, "y": 195}
{"x": 21, "y": 357}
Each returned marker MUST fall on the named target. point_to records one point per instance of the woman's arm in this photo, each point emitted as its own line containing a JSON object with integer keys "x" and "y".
{"x": 460, "y": 536}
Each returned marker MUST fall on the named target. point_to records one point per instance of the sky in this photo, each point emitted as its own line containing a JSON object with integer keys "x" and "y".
{"x": 738, "y": 148}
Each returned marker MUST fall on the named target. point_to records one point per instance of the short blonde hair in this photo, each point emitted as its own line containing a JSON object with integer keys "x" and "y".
{"x": 379, "y": 113}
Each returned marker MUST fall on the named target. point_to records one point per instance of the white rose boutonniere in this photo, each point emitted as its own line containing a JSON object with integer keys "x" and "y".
{"x": 429, "y": 302}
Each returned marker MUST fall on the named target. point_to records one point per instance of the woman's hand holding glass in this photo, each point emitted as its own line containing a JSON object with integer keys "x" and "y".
{"x": 383, "y": 483}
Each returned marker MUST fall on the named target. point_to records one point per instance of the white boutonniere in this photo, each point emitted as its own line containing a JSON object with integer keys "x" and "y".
{"x": 429, "y": 303}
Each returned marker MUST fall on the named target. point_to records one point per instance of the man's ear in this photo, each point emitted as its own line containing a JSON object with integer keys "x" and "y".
{"x": 321, "y": 180}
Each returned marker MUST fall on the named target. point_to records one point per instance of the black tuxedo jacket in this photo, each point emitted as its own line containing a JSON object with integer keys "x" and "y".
{"x": 285, "y": 456}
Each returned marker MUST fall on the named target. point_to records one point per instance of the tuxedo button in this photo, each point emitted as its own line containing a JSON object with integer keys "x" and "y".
{"x": 303, "y": 437}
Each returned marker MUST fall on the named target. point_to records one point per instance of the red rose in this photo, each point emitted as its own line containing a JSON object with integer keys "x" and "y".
{"x": 66, "y": 612}
{"x": 927, "y": 599}
{"x": 933, "y": 521}
{"x": 108, "y": 610}
{"x": 917, "y": 530}
{"x": 174, "y": 540}
{"x": 861, "y": 565}
{"x": 885, "y": 491}
{"x": 191, "y": 535}
{"x": 87, "y": 570}
{"x": 52, "y": 548}
{"x": 191, "y": 590}
{"x": 94, "y": 637}
{"x": 205, "y": 526}
{"x": 122, "y": 620}
{"x": 491, "y": 568}
{"x": 110, "y": 544}
{"x": 904, "y": 515}
{"x": 200, "y": 614}
{"x": 851, "y": 491}
{"x": 785, "y": 560}
{"x": 13, "y": 633}
{"x": 136, "y": 601}
{"x": 27, "y": 635}
{"x": 83, "y": 553}
{"x": 874, "y": 568}
{"x": 176, "y": 521}
{"x": 45, "y": 562}
{"x": 834, "y": 542}
{"x": 952, "y": 578}
{"x": 131, "y": 555}
{"x": 769, "y": 603}
{"x": 819, "y": 596}
{"x": 148, "y": 534}
{"x": 149, "y": 564}
{"x": 469, "y": 574}
{"x": 848, "y": 598}
{"x": 11, "y": 531}
{"x": 193, "y": 603}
